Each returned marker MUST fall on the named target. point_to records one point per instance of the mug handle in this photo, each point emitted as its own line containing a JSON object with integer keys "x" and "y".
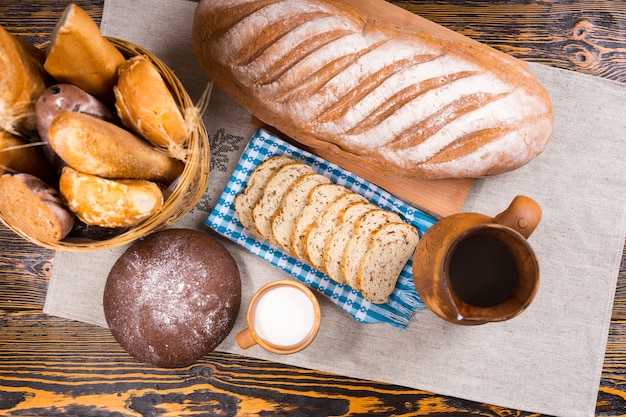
{"x": 522, "y": 215}
{"x": 245, "y": 339}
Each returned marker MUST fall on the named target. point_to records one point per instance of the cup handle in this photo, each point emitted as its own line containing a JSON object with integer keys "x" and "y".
{"x": 245, "y": 339}
{"x": 522, "y": 215}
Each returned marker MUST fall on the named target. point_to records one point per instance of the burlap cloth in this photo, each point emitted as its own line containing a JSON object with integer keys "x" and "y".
{"x": 547, "y": 360}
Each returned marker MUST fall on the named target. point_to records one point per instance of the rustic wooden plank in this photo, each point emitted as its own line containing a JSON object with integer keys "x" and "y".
{"x": 33, "y": 20}
{"x": 612, "y": 394}
{"x": 81, "y": 370}
{"x": 619, "y": 303}
{"x": 55, "y": 367}
{"x": 588, "y": 37}
{"x": 24, "y": 272}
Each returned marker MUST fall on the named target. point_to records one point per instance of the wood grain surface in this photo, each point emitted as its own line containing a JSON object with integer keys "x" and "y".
{"x": 55, "y": 367}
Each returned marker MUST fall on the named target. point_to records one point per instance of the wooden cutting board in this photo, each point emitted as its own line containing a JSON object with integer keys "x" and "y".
{"x": 437, "y": 197}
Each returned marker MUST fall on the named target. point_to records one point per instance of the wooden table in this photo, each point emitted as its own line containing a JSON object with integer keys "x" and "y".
{"x": 50, "y": 366}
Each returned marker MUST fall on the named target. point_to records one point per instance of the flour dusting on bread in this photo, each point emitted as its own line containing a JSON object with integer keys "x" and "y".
{"x": 402, "y": 100}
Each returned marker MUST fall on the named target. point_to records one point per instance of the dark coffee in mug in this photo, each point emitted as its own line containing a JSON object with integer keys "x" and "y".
{"x": 482, "y": 270}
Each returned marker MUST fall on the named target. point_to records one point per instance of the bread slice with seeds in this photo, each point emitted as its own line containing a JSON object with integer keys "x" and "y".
{"x": 245, "y": 201}
{"x": 360, "y": 241}
{"x": 321, "y": 196}
{"x": 391, "y": 246}
{"x": 275, "y": 189}
{"x": 337, "y": 241}
{"x": 317, "y": 235}
{"x": 296, "y": 198}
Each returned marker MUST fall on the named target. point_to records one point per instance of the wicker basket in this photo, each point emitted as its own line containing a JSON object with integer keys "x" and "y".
{"x": 190, "y": 186}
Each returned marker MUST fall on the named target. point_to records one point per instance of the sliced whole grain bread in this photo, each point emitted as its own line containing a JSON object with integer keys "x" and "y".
{"x": 284, "y": 220}
{"x": 245, "y": 202}
{"x": 276, "y": 187}
{"x": 334, "y": 229}
{"x": 318, "y": 233}
{"x": 319, "y": 197}
{"x": 339, "y": 238}
{"x": 360, "y": 242}
{"x": 391, "y": 246}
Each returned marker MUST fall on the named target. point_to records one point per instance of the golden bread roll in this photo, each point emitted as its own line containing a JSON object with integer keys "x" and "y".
{"x": 109, "y": 203}
{"x": 31, "y": 206}
{"x": 59, "y": 98}
{"x": 20, "y": 156}
{"x": 146, "y": 105}
{"x": 79, "y": 54}
{"x": 21, "y": 83}
{"x": 375, "y": 84}
{"x": 95, "y": 146}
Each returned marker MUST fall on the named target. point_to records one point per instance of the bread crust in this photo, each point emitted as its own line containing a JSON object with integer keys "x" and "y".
{"x": 33, "y": 207}
{"x": 22, "y": 82}
{"x": 19, "y": 156}
{"x": 375, "y": 85}
{"x": 390, "y": 248}
{"x": 109, "y": 203}
{"x": 358, "y": 245}
{"x": 324, "y": 225}
{"x": 95, "y": 146}
{"x": 284, "y": 220}
{"x": 277, "y": 186}
{"x": 79, "y": 54}
{"x": 145, "y": 105}
{"x": 246, "y": 201}
{"x": 172, "y": 297}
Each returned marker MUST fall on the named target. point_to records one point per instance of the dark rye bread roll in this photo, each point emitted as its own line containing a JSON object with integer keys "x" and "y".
{"x": 172, "y": 297}
{"x": 375, "y": 84}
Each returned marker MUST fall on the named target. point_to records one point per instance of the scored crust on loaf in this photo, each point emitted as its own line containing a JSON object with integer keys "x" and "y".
{"x": 317, "y": 235}
{"x": 277, "y": 185}
{"x": 245, "y": 202}
{"x": 403, "y": 96}
{"x": 337, "y": 241}
{"x": 360, "y": 241}
{"x": 319, "y": 197}
{"x": 294, "y": 201}
{"x": 391, "y": 246}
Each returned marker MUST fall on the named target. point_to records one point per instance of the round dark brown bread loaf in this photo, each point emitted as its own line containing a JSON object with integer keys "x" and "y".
{"x": 172, "y": 297}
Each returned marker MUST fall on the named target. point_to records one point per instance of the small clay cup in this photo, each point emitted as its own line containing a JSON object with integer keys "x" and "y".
{"x": 274, "y": 318}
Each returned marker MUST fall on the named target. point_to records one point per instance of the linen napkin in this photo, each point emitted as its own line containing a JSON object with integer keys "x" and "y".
{"x": 548, "y": 360}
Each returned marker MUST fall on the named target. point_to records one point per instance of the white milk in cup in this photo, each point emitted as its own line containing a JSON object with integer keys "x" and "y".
{"x": 283, "y": 317}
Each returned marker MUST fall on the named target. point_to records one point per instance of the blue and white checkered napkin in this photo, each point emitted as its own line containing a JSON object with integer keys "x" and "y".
{"x": 223, "y": 219}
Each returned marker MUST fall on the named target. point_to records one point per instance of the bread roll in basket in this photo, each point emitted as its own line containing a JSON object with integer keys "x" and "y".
{"x": 182, "y": 195}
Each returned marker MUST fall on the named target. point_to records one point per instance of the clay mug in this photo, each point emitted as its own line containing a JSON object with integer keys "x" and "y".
{"x": 283, "y": 317}
{"x": 472, "y": 269}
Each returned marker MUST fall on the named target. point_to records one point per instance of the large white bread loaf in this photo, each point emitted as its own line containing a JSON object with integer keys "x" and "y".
{"x": 375, "y": 84}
